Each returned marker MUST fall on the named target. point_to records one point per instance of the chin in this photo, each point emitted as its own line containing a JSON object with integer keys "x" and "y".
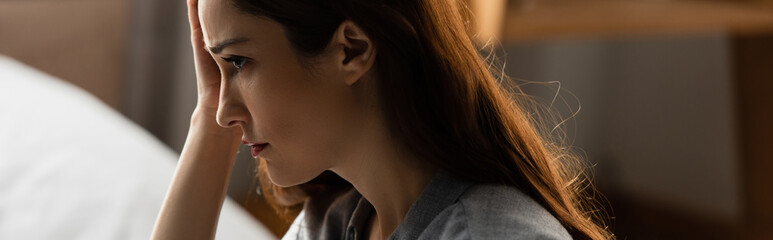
{"x": 288, "y": 176}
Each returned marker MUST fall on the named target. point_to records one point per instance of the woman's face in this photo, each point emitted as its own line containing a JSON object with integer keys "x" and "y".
{"x": 304, "y": 113}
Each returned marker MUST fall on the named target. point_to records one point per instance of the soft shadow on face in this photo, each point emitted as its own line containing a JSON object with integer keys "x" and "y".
{"x": 306, "y": 117}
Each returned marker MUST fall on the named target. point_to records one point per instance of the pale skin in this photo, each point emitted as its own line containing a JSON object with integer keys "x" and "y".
{"x": 318, "y": 114}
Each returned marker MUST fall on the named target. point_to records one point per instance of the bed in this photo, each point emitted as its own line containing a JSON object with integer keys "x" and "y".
{"x": 73, "y": 168}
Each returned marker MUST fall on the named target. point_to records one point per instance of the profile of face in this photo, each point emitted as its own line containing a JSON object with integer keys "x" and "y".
{"x": 308, "y": 110}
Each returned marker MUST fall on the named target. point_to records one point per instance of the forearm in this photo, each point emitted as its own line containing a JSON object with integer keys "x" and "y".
{"x": 194, "y": 199}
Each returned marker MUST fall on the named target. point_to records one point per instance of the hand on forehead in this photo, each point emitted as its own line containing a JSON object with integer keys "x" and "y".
{"x": 219, "y": 20}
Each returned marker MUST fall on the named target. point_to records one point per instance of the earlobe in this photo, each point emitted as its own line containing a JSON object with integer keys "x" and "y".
{"x": 358, "y": 51}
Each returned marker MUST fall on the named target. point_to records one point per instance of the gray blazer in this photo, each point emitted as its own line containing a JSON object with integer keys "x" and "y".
{"x": 448, "y": 208}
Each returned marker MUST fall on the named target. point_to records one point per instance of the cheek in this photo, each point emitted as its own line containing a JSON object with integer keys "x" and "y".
{"x": 304, "y": 121}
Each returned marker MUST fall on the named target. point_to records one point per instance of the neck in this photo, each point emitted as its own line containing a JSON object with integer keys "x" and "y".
{"x": 386, "y": 175}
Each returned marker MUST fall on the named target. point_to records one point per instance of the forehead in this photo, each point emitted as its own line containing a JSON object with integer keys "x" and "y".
{"x": 221, "y": 20}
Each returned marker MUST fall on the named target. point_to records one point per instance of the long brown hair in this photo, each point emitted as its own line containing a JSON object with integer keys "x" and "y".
{"x": 442, "y": 101}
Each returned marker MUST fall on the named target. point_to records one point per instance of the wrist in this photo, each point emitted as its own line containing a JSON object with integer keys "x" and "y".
{"x": 205, "y": 122}
{"x": 208, "y": 140}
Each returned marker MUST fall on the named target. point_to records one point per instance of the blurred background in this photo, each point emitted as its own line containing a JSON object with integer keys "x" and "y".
{"x": 672, "y": 101}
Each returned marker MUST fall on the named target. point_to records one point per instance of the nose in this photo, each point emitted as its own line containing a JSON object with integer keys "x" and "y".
{"x": 231, "y": 111}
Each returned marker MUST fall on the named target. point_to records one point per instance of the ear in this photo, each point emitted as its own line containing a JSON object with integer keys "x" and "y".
{"x": 354, "y": 51}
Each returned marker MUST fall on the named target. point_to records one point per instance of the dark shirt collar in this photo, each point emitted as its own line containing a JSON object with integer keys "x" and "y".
{"x": 442, "y": 191}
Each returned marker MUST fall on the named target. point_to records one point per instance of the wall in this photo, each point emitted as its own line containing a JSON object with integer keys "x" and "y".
{"x": 81, "y": 41}
{"x": 656, "y": 115}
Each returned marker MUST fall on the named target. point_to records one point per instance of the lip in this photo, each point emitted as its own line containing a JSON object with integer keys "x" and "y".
{"x": 255, "y": 148}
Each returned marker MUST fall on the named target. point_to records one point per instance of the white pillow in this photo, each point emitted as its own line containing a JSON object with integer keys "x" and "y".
{"x": 73, "y": 168}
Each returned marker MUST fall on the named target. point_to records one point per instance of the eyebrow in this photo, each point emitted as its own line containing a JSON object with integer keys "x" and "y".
{"x": 222, "y": 45}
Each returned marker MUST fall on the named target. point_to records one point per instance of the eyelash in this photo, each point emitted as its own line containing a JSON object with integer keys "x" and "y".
{"x": 237, "y": 61}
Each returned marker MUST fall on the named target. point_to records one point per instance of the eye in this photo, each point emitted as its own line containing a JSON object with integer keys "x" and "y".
{"x": 237, "y": 61}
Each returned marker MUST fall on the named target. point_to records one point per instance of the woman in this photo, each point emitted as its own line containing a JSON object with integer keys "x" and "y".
{"x": 378, "y": 117}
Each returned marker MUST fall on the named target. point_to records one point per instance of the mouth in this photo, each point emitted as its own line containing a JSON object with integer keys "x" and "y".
{"x": 255, "y": 148}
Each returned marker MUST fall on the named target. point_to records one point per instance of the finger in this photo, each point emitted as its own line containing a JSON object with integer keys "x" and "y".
{"x": 193, "y": 14}
{"x": 193, "y": 18}
{"x": 207, "y": 71}
{"x": 197, "y": 38}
